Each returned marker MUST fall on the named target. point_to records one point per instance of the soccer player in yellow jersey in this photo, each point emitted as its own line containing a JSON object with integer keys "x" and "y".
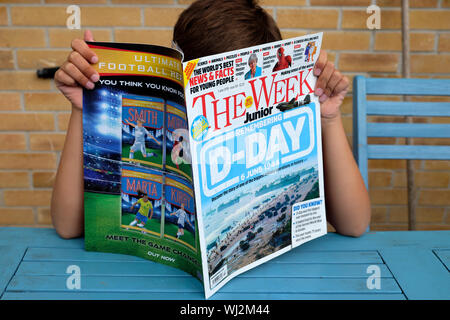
{"x": 143, "y": 214}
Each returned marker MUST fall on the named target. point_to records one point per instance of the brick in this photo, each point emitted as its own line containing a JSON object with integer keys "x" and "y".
{"x": 16, "y": 216}
{"x": 46, "y": 101}
{"x": 427, "y": 227}
{"x": 437, "y": 165}
{"x": 386, "y": 164}
{"x": 28, "y": 160}
{"x": 44, "y": 216}
{"x": 388, "y": 196}
{"x": 142, "y": 1}
{"x": 22, "y": 80}
{"x": 434, "y": 197}
{"x": 3, "y": 16}
{"x": 43, "y": 179}
{"x": 389, "y": 227}
{"x": 12, "y": 141}
{"x": 380, "y": 179}
{"x": 62, "y": 38}
{"x": 39, "y": 16}
{"x": 357, "y": 19}
{"x": 347, "y": 106}
{"x": 307, "y": 18}
{"x": 19, "y": 1}
{"x": 366, "y": 62}
{"x": 47, "y": 141}
{"x": 286, "y": 34}
{"x": 346, "y": 41}
{"x": 378, "y": 214}
{"x": 426, "y": 19}
{"x": 14, "y": 179}
{"x": 111, "y": 16}
{"x": 161, "y": 17}
{"x": 412, "y": 3}
{"x": 27, "y": 122}
{"x": 34, "y": 59}
{"x": 399, "y": 179}
{"x": 354, "y": 3}
{"x": 430, "y": 63}
{"x": 9, "y": 101}
{"x": 398, "y": 214}
{"x": 444, "y": 42}
{"x": 6, "y": 59}
{"x": 27, "y": 197}
{"x": 390, "y": 41}
{"x": 281, "y": 2}
{"x": 21, "y": 38}
{"x": 445, "y": 4}
{"x": 157, "y": 37}
{"x": 430, "y": 214}
{"x": 77, "y": 1}
{"x": 63, "y": 121}
{"x": 432, "y": 179}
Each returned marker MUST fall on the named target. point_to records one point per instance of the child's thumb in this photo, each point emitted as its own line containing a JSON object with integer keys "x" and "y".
{"x": 88, "y": 36}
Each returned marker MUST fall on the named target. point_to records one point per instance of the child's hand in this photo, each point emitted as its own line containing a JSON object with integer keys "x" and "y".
{"x": 77, "y": 71}
{"x": 331, "y": 86}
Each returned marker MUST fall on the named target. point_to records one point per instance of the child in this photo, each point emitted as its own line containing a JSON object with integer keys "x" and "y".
{"x": 209, "y": 27}
{"x": 145, "y": 206}
{"x": 182, "y": 217}
{"x": 139, "y": 139}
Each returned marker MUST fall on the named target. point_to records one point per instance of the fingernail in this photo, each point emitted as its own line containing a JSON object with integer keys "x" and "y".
{"x": 318, "y": 92}
{"x": 94, "y": 59}
{"x": 90, "y": 85}
{"x": 95, "y": 77}
{"x": 317, "y": 71}
{"x": 323, "y": 98}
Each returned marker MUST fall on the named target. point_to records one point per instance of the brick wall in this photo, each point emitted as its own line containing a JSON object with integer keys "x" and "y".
{"x": 34, "y": 116}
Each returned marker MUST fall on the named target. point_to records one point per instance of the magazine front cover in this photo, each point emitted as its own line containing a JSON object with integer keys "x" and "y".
{"x": 255, "y": 144}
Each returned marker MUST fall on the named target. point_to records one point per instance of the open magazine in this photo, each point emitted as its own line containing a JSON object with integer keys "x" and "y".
{"x": 213, "y": 165}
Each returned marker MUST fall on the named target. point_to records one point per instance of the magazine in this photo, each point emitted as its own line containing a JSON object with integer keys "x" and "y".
{"x": 212, "y": 166}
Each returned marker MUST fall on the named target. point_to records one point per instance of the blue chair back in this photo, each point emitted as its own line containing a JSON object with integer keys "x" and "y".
{"x": 386, "y": 86}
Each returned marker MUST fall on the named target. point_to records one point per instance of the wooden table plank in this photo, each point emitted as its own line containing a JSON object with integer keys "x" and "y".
{"x": 444, "y": 256}
{"x": 195, "y": 296}
{"x": 418, "y": 271}
{"x": 149, "y": 268}
{"x": 10, "y": 258}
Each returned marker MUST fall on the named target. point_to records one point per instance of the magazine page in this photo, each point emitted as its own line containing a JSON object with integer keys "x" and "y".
{"x": 254, "y": 126}
{"x": 139, "y": 196}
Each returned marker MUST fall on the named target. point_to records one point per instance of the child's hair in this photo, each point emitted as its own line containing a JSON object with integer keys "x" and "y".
{"x": 209, "y": 27}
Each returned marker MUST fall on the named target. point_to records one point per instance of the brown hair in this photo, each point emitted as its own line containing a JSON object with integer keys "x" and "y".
{"x": 209, "y": 27}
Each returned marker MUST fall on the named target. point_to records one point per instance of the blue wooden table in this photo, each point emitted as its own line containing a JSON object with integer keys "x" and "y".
{"x": 408, "y": 265}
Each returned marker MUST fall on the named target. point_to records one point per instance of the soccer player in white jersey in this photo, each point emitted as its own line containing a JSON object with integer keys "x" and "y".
{"x": 139, "y": 138}
{"x": 182, "y": 217}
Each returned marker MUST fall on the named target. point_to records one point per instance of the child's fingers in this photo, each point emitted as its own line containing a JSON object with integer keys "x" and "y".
{"x": 88, "y": 36}
{"x": 342, "y": 86}
{"x": 334, "y": 80}
{"x": 82, "y": 48}
{"x": 324, "y": 78}
{"x": 83, "y": 66}
{"x": 71, "y": 70}
{"x": 64, "y": 78}
{"x": 320, "y": 63}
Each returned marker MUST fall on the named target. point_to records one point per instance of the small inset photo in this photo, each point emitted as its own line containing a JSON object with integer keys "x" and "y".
{"x": 179, "y": 223}
{"x": 141, "y": 200}
{"x": 142, "y": 130}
